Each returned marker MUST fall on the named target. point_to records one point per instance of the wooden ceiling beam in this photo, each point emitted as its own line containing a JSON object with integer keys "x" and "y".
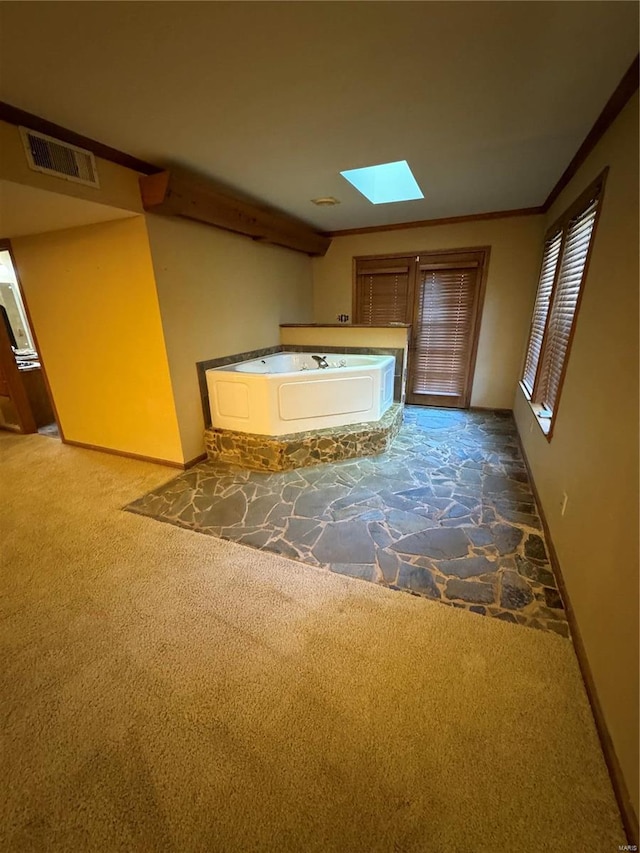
{"x": 178, "y": 193}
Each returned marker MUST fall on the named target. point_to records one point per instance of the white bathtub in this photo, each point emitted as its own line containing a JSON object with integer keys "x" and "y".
{"x": 289, "y": 393}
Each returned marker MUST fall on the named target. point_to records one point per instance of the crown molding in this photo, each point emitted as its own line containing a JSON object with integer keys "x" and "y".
{"x": 449, "y": 220}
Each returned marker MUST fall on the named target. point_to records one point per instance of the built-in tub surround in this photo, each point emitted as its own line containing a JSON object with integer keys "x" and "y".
{"x": 202, "y": 366}
{"x": 301, "y": 450}
{"x": 293, "y": 392}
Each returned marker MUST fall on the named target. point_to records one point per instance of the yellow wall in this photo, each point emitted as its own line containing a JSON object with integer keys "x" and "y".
{"x": 220, "y": 294}
{"x": 118, "y": 186}
{"x": 92, "y": 298}
{"x": 593, "y": 454}
{"x": 513, "y": 269}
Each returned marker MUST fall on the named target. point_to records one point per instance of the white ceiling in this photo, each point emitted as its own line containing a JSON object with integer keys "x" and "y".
{"x": 488, "y": 101}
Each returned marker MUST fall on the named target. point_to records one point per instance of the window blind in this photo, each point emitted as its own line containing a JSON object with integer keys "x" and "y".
{"x": 564, "y": 305}
{"x": 541, "y": 310}
{"x": 443, "y": 332}
{"x": 382, "y": 292}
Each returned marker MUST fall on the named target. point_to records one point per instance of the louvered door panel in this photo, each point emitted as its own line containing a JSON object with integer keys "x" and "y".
{"x": 443, "y": 336}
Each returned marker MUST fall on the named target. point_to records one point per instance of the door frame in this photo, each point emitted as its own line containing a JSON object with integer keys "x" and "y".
{"x": 479, "y": 254}
{"x": 450, "y": 259}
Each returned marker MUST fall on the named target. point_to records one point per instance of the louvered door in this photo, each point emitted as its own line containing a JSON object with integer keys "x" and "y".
{"x": 444, "y": 334}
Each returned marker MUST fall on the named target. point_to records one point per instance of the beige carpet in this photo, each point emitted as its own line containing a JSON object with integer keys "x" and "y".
{"x": 165, "y": 691}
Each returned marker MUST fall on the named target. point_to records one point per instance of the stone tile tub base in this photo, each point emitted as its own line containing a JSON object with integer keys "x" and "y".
{"x": 300, "y": 450}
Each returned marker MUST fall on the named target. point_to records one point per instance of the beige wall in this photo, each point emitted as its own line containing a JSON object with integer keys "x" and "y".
{"x": 345, "y": 336}
{"x": 593, "y": 454}
{"x": 92, "y": 298}
{"x": 118, "y": 186}
{"x": 513, "y": 269}
{"x": 220, "y": 294}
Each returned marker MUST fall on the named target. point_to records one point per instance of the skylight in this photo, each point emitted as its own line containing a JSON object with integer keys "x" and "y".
{"x": 385, "y": 183}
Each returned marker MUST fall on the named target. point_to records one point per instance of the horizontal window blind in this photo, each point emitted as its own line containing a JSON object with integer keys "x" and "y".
{"x": 382, "y": 292}
{"x": 541, "y": 310}
{"x": 564, "y": 305}
{"x": 443, "y": 333}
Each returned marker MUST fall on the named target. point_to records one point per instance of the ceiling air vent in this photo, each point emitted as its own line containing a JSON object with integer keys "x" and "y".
{"x": 53, "y": 157}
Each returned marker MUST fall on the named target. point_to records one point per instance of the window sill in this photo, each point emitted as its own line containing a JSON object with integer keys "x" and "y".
{"x": 543, "y": 420}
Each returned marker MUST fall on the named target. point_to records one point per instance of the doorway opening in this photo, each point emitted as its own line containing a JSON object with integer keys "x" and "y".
{"x": 26, "y": 405}
{"x": 441, "y": 295}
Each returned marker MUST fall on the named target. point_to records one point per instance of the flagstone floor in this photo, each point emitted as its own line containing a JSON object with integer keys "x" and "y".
{"x": 446, "y": 513}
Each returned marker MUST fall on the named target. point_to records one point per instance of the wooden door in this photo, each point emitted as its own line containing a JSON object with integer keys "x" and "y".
{"x": 11, "y": 384}
{"x": 440, "y": 294}
{"x": 448, "y": 297}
